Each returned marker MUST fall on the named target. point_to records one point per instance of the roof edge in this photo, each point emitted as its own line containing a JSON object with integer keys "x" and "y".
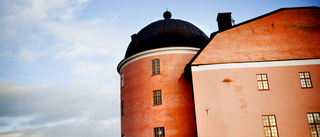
{"x": 158, "y": 51}
{"x": 273, "y": 12}
{"x": 267, "y": 14}
{"x": 245, "y": 22}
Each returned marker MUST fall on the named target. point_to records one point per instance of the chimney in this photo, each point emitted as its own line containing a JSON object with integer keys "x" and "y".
{"x": 134, "y": 40}
{"x": 224, "y": 21}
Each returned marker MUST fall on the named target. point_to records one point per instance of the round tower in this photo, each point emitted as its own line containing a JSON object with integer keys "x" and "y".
{"x": 156, "y": 99}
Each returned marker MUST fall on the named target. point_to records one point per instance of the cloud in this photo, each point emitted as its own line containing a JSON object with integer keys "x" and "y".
{"x": 78, "y": 50}
{"x": 98, "y": 129}
{"x": 85, "y": 67}
{"x": 40, "y": 31}
{"x": 57, "y": 70}
{"x": 52, "y": 110}
{"x": 27, "y": 56}
{"x": 39, "y": 25}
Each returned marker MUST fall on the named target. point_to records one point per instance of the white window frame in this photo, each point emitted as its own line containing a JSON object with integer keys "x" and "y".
{"x": 305, "y": 80}
{"x": 262, "y": 82}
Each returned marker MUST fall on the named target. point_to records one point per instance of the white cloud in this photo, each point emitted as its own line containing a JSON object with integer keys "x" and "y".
{"x": 6, "y": 53}
{"x": 49, "y": 37}
{"x": 27, "y": 56}
{"x": 89, "y": 68}
{"x": 78, "y": 50}
{"x": 43, "y": 110}
{"x": 36, "y": 22}
{"x": 46, "y": 29}
{"x": 12, "y": 135}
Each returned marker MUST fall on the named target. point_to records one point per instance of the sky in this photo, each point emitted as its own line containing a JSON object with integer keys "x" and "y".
{"x": 58, "y": 58}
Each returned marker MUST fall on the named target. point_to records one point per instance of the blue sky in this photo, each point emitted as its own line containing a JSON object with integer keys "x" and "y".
{"x": 58, "y": 58}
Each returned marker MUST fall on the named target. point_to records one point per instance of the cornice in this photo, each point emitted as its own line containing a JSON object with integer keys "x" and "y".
{"x": 158, "y": 51}
{"x": 276, "y": 63}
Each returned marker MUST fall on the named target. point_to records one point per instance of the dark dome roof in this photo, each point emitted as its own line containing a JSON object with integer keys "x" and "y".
{"x": 166, "y": 33}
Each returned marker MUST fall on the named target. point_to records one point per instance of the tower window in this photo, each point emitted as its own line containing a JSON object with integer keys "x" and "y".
{"x": 159, "y": 132}
{"x": 262, "y": 82}
{"x": 157, "y": 99}
{"x": 305, "y": 80}
{"x": 270, "y": 125}
{"x": 155, "y": 66}
{"x": 122, "y": 79}
{"x": 314, "y": 124}
{"x": 122, "y": 107}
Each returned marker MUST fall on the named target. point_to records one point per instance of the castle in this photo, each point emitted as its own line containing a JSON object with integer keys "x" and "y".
{"x": 253, "y": 79}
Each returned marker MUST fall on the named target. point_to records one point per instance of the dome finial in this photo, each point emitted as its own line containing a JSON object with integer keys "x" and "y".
{"x": 167, "y": 14}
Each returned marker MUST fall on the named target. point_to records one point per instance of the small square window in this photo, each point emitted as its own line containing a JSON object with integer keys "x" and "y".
{"x": 122, "y": 107}
{"x": 159, "y": 132}
{"x": 262, "y": 81}
{"x": 314, "y": 124}
{"x": 122, "y": 79}
{"x": 155, "y": 66}
{"x": 270, "y": 125}
{"x": 157, "y": 97}
{"x": 305, "y": 80}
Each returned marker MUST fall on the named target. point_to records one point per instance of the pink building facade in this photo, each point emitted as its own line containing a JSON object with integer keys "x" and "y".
{"x": 261, "y": 78}
{"x": 228, "y": 101}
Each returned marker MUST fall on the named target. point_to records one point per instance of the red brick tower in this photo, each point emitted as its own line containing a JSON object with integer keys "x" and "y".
{"x": 156, "y": 99}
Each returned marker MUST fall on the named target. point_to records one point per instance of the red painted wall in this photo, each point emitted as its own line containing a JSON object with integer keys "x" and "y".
{"x": 176, "y": 113}
{"x": 236, "y": 107}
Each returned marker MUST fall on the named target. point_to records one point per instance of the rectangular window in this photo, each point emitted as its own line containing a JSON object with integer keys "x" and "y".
{"x": 155, "y": 66}
{"x": 122, "y": 79}
{"x": 262, "y": 80}
{"x": 159, "y": 132}
{"x": 122, "y": 107}
{"x": 270, "y": 125}
{"x": 305, "y": 80}
{"x": 314, "y": 124}
{"x": 157, "y": 99}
